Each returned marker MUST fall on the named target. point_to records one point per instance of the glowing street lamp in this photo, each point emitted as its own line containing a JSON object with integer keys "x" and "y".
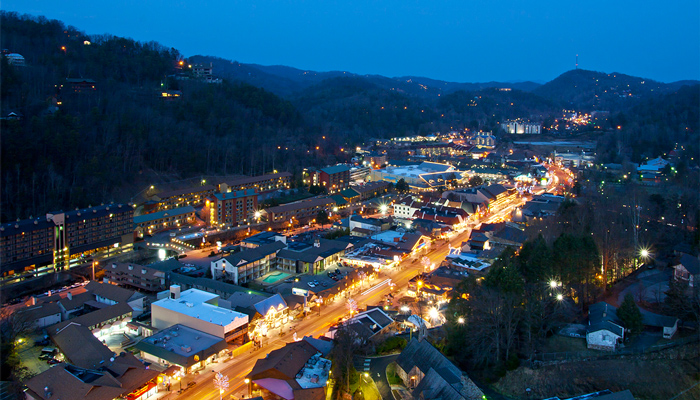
{"x": 460, "y": 320}
{"x": 247, "y": 382}
{"x": 560, "y": 297}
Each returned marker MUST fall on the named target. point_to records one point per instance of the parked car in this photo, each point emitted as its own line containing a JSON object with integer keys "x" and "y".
{"x": 311, "y": 284}
{"x": 52, "y": 361}
{"x": 316, "y": 282}
{"x": 190, "y": 384}
{"x": 337, "y": 271}
{"x": 289, "y": 280}
{"x": 330, "y": 274}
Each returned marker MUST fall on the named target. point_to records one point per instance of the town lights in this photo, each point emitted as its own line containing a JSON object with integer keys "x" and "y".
{"x": 434, "y": 314}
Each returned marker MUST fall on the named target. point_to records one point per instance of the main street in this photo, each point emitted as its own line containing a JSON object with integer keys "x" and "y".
{"x": 315, "y": 325}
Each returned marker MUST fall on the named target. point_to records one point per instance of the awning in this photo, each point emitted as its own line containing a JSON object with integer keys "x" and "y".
{"x": 171, "y": 370}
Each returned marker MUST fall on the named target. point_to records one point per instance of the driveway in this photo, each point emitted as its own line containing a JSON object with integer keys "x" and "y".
{"x": 376, "y": 366}
{"x": 650, "y": 285}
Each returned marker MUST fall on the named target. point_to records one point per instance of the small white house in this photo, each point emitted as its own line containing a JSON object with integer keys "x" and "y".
{"x": 605, "y": 336}
{"x": 604, "y": 331}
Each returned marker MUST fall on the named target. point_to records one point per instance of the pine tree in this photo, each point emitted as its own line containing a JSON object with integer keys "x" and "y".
{"x": 630, "y": 315}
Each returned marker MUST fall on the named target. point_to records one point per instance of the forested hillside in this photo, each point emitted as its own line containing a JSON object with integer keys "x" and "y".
{"x": 106, "y": 140}
{"x": 74, "y": 149}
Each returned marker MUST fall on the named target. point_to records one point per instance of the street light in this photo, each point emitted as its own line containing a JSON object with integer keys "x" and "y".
{"x": 560, "y": 297}
{"x": 247, "y": 382}
{"x": 460, "y": 320}
{"x": 644, "y": 253}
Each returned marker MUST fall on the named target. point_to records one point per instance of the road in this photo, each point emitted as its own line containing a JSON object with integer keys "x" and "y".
{"x": 315, "y": 325}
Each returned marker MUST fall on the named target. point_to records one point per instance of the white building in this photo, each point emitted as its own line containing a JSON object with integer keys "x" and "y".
{"x": 407, "y": 207}
{"x": 198, "y": 310}
{"x": 518, "y": 127}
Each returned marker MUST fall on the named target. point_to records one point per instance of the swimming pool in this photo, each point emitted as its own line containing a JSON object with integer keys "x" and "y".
{"x": 275, "y": 276}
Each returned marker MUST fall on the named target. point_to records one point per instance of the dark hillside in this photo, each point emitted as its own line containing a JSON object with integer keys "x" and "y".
{"x": 354, "y": 106}
{"x": 589, "y": 90}
{"x": 75, "y": 147}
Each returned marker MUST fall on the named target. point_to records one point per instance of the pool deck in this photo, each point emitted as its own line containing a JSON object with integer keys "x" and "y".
{"x": 275, "y": 273}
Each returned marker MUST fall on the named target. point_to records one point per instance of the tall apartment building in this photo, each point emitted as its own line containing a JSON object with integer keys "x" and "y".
{"x": 333, "y": 179}
{"x": 233, "y": 208}
{"x": 58, "y": 241}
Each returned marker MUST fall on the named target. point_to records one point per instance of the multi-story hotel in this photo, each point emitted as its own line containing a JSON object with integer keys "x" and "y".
{"x": 232, "y": 208}
{"x": 260, "y": 183}
{"x": 58, "y": 241}
{"x": 333, "y": 179}
{"x": 147, "y": 224}
{"x": 300, "y": 210}
{"x": 193, "y": 196}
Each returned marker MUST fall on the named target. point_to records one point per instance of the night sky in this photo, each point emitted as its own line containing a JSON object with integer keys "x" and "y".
{"x": 462, "y": 41}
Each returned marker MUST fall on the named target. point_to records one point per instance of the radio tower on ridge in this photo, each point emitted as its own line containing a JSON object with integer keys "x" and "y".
{"x": 576, "y": 61}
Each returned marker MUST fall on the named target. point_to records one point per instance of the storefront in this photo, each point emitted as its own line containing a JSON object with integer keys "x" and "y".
{"x": 143, "y": 393}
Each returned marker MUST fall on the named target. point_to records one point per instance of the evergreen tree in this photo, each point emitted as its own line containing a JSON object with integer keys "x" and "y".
{"x": 630, "y": 315}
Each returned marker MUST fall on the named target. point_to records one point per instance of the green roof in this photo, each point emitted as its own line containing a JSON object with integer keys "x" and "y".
{"x": 161, "y": 214}
{"x": 349, "y": 193}
{"x": 339, "y": 200}
{"x": 335, "y": 169}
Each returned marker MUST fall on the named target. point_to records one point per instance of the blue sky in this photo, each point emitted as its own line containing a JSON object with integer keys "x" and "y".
{"x": 462, "y": 41}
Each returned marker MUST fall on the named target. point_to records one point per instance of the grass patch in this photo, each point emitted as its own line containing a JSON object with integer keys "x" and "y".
{"x": 392, "y": 376}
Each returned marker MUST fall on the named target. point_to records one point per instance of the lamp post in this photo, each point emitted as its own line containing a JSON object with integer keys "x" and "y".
{"x": 247, "y": 382}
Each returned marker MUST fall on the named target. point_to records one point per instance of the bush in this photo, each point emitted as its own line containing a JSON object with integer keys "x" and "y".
{"x": 391, "y": 344}
{"x": 513, "y": 362}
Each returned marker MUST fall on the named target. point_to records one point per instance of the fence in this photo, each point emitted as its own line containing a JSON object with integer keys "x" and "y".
{"x": 242, "y": 349}
{"x": 590, "y": 355}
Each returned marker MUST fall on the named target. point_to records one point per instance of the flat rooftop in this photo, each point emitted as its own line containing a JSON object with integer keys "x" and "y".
{"x": 196, "y": 304}
{"x": 182, "y": 342}
{"x": 315, "y": 372}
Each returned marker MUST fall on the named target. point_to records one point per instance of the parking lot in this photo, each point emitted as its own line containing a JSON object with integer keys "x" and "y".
{"x": 302, "y": 281}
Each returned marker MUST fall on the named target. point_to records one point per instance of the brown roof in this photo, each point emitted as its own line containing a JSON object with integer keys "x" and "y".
{"x": 310, "y": 394}
{"x": 112, "y": 292}
{"x": 80, "y": 346}
{"x": 111, "y": 380}
{"x": 189, "y": 190}
{"x": 33, "y": 313}
{"x": 259, "y": 178}
{"x": 77, "y": 301}
{"x": 319, "y": 201}
{"x": 284, "y": 363}
{"x": 96, "y": 317}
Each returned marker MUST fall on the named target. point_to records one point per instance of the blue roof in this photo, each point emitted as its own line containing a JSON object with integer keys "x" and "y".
{"x": 275, "y": 301}
{"x": 161, "y": 214}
